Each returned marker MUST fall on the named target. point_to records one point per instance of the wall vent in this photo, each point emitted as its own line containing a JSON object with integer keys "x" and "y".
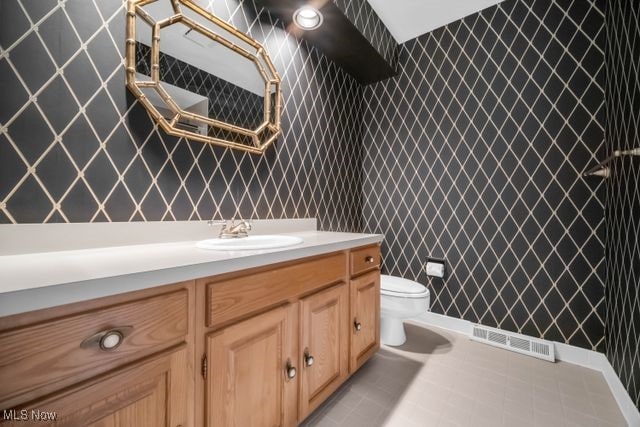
{"x": 523, "y": 344}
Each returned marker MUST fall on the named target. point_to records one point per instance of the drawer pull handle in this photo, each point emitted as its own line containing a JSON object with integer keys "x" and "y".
{"x": 107, "y": 340}
{"x": 357, "y": 325}
{"x": 369, "y": 260}
{"x": 308, "y": 358}
{"x": 290, "y": 370}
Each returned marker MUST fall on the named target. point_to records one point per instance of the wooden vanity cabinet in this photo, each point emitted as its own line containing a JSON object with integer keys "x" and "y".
{"x": 260, "y": 347}
{"x": 280, "y": 340}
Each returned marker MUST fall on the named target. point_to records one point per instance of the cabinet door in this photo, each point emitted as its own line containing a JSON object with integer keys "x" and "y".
{"x": 365, "y": 318}
{"x": 252, "y": 379}
{"x": 324, "y": 345}
{"x": 148, "y": 394}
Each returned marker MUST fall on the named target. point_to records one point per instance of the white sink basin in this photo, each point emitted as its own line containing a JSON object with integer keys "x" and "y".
{"x": 250, "y": 243}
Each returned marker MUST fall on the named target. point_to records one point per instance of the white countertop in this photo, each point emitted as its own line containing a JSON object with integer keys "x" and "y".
{"x": 33, "y": 281}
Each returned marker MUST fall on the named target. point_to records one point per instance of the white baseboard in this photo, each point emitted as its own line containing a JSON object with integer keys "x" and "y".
{"x": 628, "y": 408}
{"x": 445, "y": 322}
{"x": 564, "y": 352}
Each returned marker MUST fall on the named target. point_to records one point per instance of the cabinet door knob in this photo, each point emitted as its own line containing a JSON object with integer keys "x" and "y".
{"x": 368, "y": 260}
{"x": 308, "y": 358}
{"x": 107, "y": 340}
{"x": 290, "y": 370}
{"x": 357, "y": 325}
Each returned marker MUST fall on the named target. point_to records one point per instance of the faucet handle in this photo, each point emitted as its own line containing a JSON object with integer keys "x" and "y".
{"x": 224, "y": 223}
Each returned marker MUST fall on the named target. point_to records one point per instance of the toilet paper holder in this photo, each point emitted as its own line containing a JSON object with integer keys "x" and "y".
{"x": 436, "y": 268}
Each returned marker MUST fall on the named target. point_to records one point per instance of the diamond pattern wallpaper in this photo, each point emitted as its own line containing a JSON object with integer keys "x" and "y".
{"x": 475, "y": 152}
{"x": 75, "y": 146}
{"x": 623, "y": 194}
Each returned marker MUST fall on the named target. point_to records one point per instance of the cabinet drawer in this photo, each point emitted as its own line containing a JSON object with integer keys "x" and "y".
{"x": 48, "y": 356}
{"x": 364, "y": 259}
{"x": 239, "y": 297}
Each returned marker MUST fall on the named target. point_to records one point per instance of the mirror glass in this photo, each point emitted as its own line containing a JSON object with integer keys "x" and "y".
{"x": 204, "y": 78}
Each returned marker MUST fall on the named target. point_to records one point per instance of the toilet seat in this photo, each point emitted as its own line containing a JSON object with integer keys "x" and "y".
{"x": 402, "y": 288}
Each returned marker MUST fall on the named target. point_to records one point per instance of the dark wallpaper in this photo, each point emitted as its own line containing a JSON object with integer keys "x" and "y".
{"x": 474, "y": 153}
{"x": 623, "y": 194}
{"x": 76, "y": 147}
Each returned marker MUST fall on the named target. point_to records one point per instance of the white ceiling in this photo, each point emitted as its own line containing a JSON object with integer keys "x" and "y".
{"x": 408, "y": 19}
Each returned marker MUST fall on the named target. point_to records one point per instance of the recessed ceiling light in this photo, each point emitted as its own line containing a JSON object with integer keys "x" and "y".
{"x": 307, "y": 18}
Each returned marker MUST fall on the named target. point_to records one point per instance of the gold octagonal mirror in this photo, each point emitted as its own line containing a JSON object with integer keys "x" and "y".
{"x": 201, "y": 78}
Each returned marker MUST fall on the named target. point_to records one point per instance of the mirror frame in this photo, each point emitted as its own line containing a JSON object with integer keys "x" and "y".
{"x": 269, "y": 75}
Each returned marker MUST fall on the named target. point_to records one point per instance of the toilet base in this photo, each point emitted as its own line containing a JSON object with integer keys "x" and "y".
{"x": 392, "y": 331}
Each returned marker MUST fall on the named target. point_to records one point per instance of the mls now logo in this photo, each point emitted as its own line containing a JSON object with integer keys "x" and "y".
{"x": 25, "y": 415}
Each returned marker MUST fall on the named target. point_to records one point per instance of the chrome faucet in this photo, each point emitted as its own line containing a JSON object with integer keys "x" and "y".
{"x": 231, "y": 230}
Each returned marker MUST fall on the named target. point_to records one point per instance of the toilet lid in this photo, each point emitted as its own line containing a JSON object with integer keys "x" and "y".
{"x": 392, "y": 285}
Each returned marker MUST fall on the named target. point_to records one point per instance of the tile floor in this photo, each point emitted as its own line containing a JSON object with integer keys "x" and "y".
{"x": 440, "y": 378}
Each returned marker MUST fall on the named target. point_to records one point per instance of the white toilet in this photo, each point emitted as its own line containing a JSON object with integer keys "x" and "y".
{"x": 400, "y": 299}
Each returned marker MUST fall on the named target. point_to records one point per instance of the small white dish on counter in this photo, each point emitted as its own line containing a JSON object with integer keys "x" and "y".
{"x": 256, "y": 242}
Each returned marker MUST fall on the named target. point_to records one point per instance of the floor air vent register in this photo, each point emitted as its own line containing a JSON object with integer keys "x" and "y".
{"x": 514, "y": 342}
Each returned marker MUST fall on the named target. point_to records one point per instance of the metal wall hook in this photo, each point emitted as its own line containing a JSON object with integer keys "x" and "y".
{"x": 603, "y": 170}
